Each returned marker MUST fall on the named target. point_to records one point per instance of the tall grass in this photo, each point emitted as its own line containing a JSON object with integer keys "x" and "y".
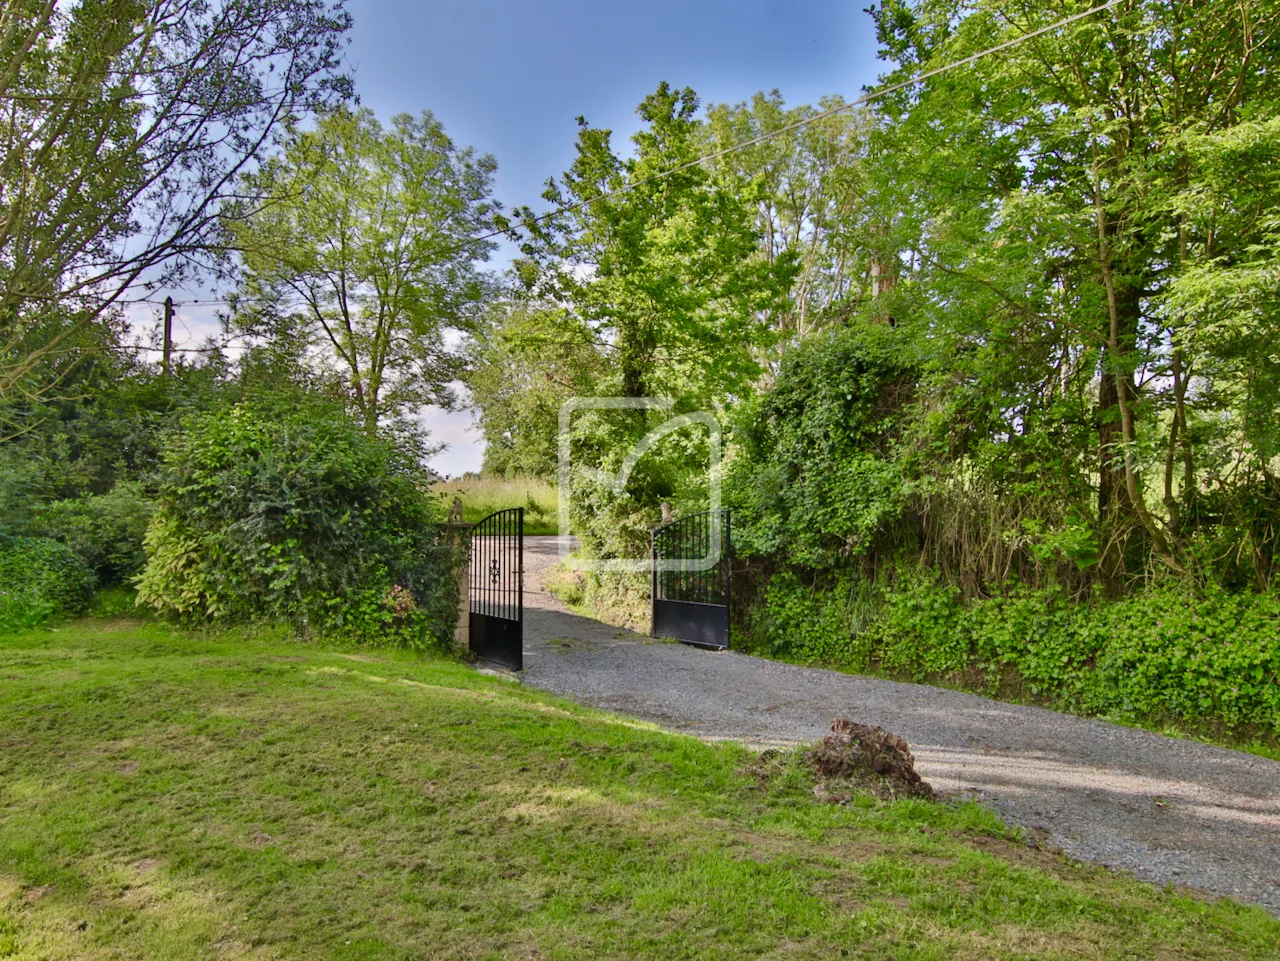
{"x": 481, "y": 496}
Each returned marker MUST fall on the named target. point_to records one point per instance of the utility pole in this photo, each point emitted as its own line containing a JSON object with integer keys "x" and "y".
{"x": 168, "y": 333}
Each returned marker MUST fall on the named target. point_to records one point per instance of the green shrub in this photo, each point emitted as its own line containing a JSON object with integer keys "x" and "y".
{"x": 1211, "y": 655}
{"x": 1205, "y": 656}
{"x": 916, "y": 633}
{"x": 286, "y": 509}
{"x": 40, "y": 579}
{"x": 115, "y": 601}
{"x": 106, "y": 530}
{"x": 817, "y": 475}
{"x": 803, "y": 624}
{"x": 1050, "y": 644}
{"x": 17, "y": 483}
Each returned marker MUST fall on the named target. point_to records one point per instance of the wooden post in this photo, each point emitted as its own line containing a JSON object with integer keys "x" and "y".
{"x": 168, "y": 333}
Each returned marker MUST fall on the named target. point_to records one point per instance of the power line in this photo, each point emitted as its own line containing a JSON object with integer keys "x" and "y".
{"x": 753, "y": 141}
{"x": 216, "y": 348}
{"x": 861, "y": 101}
{"x": 177, "y": 303}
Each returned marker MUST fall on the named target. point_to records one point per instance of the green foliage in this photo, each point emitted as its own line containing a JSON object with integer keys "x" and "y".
{"x": 118, "y": 601}
{"x": 612, "y": 511}
{"x": 666, "y": 270}
{"x": 662, "y": 280}
{"x": 106, "y": 530}
{"x": 365, "y": 255}
{"x": 16, "y": 499}
{"x": 40, "y": 579}
{"x": 1089, "y": 392}
{"x": 1216, "y": 656}
{"x": 1167, "y": 653}
{"x": 113, "y": 429}
{"x": 1021, "y": 320}
{"x": 1084, "y": 248}
{"x": 795, "y": 620}
{"x": 283, "y": 507}
{"x": 817, "y": 477}
{"x": 813, "y": 203}
{"x": 526, "y": 361}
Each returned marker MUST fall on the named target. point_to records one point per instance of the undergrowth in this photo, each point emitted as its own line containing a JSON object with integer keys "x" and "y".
{"x": 1206, "y": 661}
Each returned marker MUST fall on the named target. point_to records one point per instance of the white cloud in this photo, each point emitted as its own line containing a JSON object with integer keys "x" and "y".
{"x": 465, "y": 445}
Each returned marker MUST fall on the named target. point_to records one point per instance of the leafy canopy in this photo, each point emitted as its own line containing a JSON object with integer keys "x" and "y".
{"x": 359, "y": 254}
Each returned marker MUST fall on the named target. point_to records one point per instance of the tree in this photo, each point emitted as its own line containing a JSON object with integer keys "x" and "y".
{"x": 1225, "y": 303}
{"x": 362, "y": 244}
{"x": 659, "y": 259}
{"x": 126, "y": 124}
{"x": 657, "y": 262}
{"x": 813, "y": 202}
{"x": 1043, "y": 181}
{"x": 526, "y": 360}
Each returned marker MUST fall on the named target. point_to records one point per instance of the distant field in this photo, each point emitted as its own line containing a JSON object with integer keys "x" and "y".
{"x": 481, "y": 497}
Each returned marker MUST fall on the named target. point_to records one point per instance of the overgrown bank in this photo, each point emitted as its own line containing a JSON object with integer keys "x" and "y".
{"x": 1209, "y": 663}
{"x": 868, "y": 540}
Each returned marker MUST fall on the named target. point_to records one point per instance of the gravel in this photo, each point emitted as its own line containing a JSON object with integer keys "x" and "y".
{"x": 1169, "y": 811}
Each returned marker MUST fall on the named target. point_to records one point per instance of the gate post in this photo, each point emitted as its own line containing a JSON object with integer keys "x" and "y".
{"x": 457, "y": 533}
{"x": 653, "y": 584}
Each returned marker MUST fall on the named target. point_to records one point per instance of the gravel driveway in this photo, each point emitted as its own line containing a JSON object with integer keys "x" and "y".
{"x": 1169, "y": 811}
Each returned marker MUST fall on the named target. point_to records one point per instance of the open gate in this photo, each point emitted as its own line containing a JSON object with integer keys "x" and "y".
{"x": 496, "y": 589}
{"x": 692, "y": 583}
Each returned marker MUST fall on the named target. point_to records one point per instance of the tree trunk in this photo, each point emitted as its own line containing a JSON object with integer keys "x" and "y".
{"x": 635, "y": 356}
{"x": 884, "y": 272}
{"x": 1124, "y": 313}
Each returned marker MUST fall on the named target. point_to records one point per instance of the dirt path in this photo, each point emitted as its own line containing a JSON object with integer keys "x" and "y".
{"x": 1169, "y": 811}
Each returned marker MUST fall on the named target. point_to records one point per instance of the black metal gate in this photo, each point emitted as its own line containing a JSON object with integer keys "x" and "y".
{"x": 496, "y": 589}
{"x": 692, "y": 582}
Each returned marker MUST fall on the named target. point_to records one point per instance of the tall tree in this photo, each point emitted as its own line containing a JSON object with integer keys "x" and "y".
{"x": 814, "y": 201}
{"x": 526, "y": 360}
{"x": 363, "y": 244}
{"x": 125, "y": 124}
{"x": 658, "y": 257}
{"x": 659, "y": 261}
{"x": 1043, "y": 178}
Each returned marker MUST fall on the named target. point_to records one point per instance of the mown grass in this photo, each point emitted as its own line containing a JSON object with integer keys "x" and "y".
{"x": 173, "y": 795}
{"x": 484, "y": 495}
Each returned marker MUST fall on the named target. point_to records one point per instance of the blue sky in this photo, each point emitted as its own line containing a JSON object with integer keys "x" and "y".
{"x": 509, "y": 78}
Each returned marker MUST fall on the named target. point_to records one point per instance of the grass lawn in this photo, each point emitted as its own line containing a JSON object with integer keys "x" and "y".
{"x": 171, "y": 796}
{"x": 482, "y": 496}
